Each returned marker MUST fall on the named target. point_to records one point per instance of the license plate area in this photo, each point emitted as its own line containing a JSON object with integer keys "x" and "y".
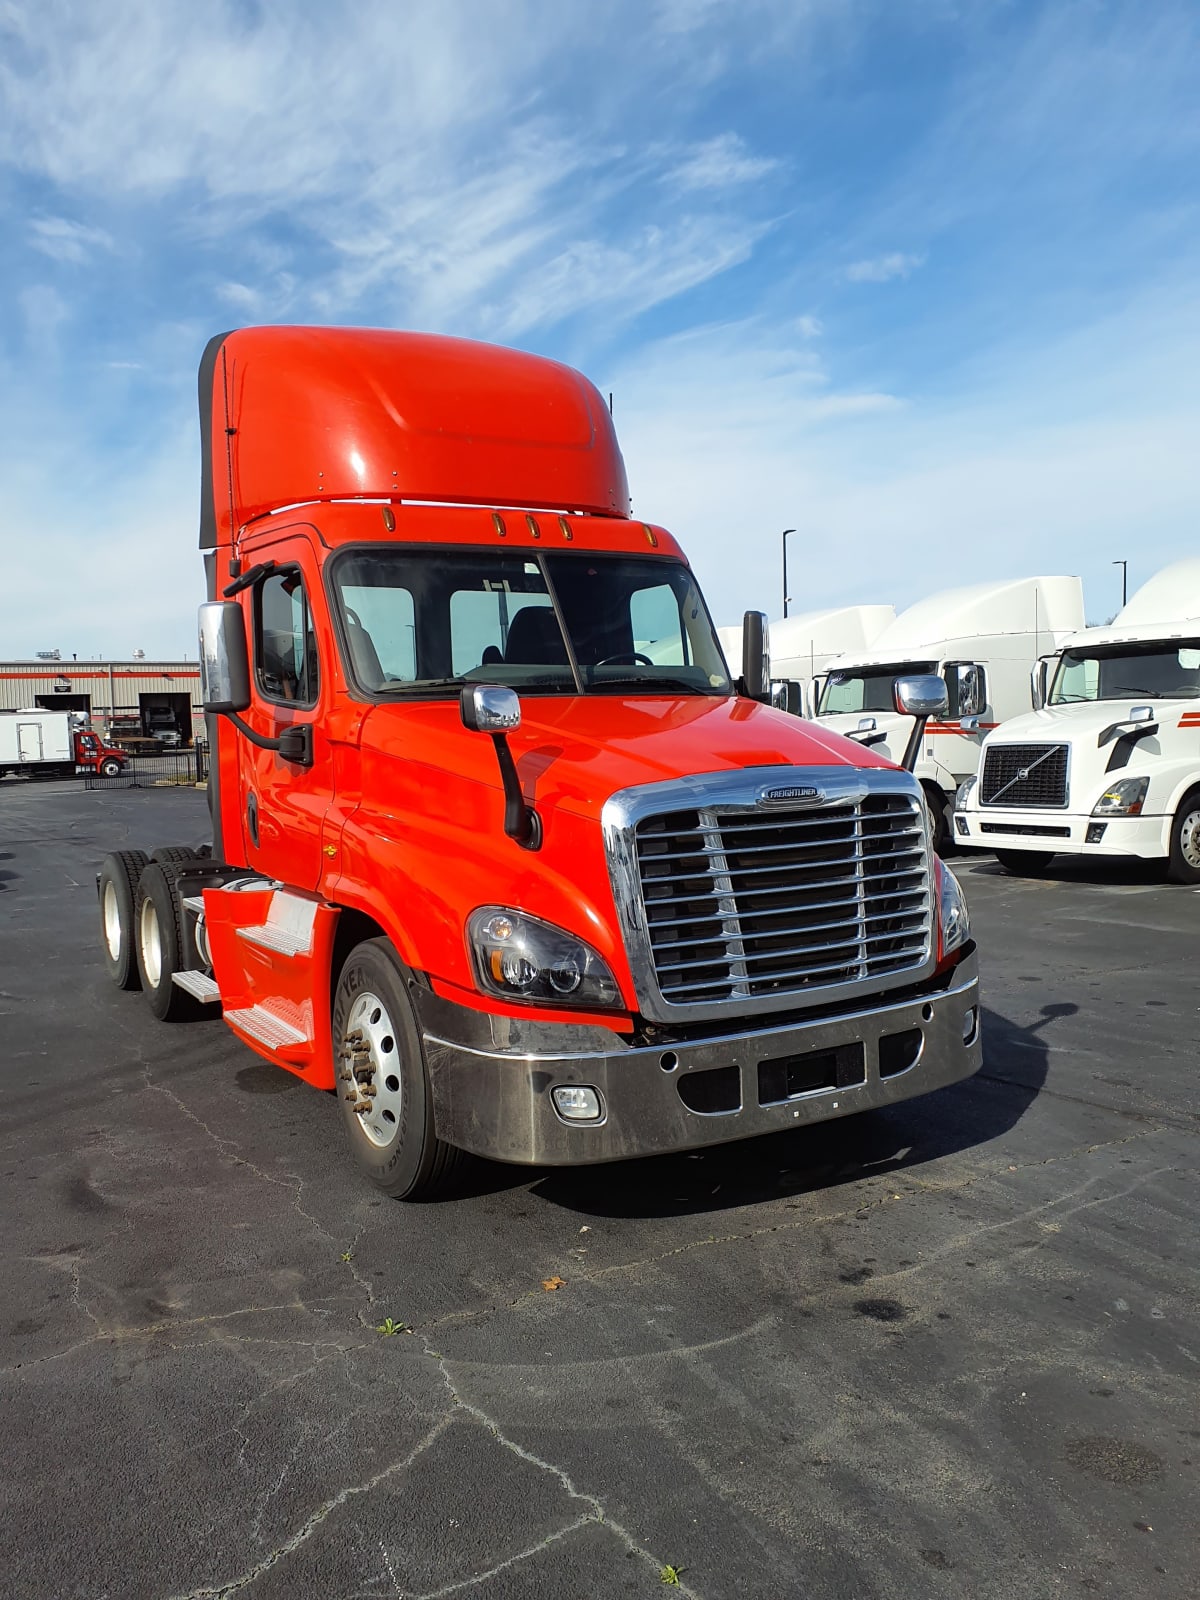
{"x": 791, "y": 1077}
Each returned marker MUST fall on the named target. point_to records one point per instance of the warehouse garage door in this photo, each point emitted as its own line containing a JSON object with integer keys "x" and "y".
{"x": 167, "y": 716}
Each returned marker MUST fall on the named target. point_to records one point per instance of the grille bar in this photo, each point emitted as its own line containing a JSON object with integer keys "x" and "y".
{"x": 774, "y": 903}
{"x": 1033, "y": 775}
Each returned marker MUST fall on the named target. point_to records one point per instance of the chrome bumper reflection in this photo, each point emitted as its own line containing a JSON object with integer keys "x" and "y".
{"x": 498, "y": 1104}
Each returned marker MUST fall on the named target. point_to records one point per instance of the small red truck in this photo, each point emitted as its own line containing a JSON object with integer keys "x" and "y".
{"x": 501, "y": 854}
{"x": 50, "y": 744}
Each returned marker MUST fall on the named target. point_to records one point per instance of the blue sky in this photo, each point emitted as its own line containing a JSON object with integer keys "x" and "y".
{"x": 919, "y": 279}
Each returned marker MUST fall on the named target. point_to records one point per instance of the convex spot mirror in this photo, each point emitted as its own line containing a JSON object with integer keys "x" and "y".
{"x": 921, "y": 697}
{"x": 224, "y": 658}
{"x": 489, "y": 708}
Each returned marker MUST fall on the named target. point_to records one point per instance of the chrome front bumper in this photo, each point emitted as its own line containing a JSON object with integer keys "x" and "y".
{"x": 497, "y": 1101}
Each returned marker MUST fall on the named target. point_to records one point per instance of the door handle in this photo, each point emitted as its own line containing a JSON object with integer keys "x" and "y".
{"x": 252, "y": 818}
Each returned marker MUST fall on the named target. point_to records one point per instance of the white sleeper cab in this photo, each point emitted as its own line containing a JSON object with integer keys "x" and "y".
{"x": 803, "y": 645}
{"x": 984, "y": 641}
{"x": 1109, "y": 765}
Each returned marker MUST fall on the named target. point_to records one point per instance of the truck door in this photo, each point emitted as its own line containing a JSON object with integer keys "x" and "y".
{"x": 29, "y": 741}
{"x": 284, "y": 803}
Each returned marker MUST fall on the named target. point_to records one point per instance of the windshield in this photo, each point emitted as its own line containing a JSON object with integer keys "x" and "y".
{"x": 1114, "y": 672}
{"x": 420, "y": 622}
{"x": 867, "y": 688}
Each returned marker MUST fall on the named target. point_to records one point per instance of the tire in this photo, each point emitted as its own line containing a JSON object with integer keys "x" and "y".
{"x": 118, "y": 887}
{"x": 1183, "y": 862}
{"x": 1025, "y": 863}
{"x": 171, "y": 854}
{"x": 110, "y": 767}
{"x": 941, "y": 812}
{"x": 163, "y": 945}
{"x": 394, "y": 1144}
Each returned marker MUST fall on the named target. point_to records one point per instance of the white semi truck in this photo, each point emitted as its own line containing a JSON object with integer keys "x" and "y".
{"x": 803, "y": 645}
{"x": 984, "y": 642}
{"x": 1109, "y": 762}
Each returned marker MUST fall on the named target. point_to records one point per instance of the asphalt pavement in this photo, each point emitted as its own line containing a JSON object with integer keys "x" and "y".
{"x": 947, "y": 1349}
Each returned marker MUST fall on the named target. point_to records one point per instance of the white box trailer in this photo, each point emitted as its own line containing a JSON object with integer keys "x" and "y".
{"x": 984, "y": 641}
{"x": 803, "y": 645}
{"x": 1109, "y": 762}
{"x": 36, "y": 741}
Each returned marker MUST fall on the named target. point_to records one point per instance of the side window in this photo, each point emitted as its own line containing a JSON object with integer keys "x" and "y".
{"x": 285, "y": 643}
{"x": 654, "y": 619}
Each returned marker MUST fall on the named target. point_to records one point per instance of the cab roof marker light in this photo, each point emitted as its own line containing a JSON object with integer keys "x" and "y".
{"x": 531, "y": 524}
{"x": 651, "y": 536}
{"x": 568, "y": 532}
{"x": 498, "y": 524}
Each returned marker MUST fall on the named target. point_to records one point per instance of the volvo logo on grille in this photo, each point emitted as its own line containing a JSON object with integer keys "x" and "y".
{"x": 793, "y": 794}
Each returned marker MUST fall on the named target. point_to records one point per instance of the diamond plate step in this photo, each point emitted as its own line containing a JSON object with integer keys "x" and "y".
{"x": 268, "y": 936}
{"x": 199, "y": 984}
{"x": 195, "y": 903}
{"x": 266, "y": 1027}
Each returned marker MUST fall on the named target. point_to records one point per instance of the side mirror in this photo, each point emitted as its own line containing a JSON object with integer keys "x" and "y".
{"x": 969, "y": 724}
{"x": 921, "y": 697}
{"x": 867, "y": 724}
{"x": 224, "y": 659}
{"x": 1141, "y": 713}
{"x": 756, "y": 657}
{"x": 786, "y": 696}
{"x": 967, "y": 695}
{"x": 1037, "y": 683}
{"x": 489, "y": 708}
{"x": 493, "y": 709}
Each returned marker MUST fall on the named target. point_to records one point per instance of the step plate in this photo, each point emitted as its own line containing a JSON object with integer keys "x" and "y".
{"x": 198, "y": 984}
{"x": 269, "y": 937}
{"x": 194, "y": 903}
{"x": 266, "y": 1027}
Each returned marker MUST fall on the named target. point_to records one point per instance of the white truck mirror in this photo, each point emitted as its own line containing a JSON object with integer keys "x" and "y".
{"x": 924, "y": 696}
{"x": 224, "y": 659}
{"x": 1038, "y": 682}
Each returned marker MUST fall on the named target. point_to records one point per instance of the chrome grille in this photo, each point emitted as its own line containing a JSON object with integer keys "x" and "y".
{"x": 749, "y": 903}
{"x": 1024, "y": 775}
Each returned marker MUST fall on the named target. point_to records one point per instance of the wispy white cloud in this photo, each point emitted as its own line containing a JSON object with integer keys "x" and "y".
{"x": 64, "y": 240}
{"x": 720, "y": 163}
{"x": 882, "y": 269}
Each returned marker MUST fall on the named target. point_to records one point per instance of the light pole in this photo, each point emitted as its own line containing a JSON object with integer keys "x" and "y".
{"x": 1124, "y": 566}
{"x": 786, "y": 531}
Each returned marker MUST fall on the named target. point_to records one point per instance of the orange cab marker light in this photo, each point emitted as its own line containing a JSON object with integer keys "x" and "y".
{"x": 498, "y": 524}
{"x": 531, "y": 524}
{"x": 651, "y": 536}
{"x": 567, "y": 531}
{"x": 389, "y": 519}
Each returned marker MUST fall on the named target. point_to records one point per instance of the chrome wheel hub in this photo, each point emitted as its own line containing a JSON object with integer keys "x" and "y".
{"x": 111, "y": 912}
{"x": 1189, "y": 839}
{"x": 369, "y": 1069}
{"x": 150, "y": 940}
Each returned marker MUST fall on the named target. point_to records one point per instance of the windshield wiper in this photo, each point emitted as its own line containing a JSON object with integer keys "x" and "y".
{"x": 1123, "y": 689}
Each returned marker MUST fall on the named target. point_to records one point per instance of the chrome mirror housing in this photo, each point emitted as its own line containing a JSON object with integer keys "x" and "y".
{"x": 1141, "y": 713}
{"x": 224, "y": 659}
{"x": 490, "y": 708}
{"x": 924, "y": 696}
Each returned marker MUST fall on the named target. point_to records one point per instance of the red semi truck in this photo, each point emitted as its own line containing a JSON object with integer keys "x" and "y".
{"x": 501, "y": 853}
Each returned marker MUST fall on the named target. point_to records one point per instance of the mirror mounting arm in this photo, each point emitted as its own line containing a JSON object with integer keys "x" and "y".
{"x": 521, "y": 821}
{"x": 293, "y": 744}
{"x": 913, "y": 748}
{"x": 494, "y": 709}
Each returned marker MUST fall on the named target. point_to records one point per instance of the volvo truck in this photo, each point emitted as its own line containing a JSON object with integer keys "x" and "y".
{"x": 500, "y": 855}
{"x": 983, "y": 641}
{"x": 1108, "y": 762}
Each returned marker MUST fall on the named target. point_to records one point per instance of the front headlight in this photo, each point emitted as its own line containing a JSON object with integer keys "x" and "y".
{"x": 519, "y": 957}
{"x": 1125, "y": 798}
{"x": 964, "y": 793}
{"x": 952, "y": 909}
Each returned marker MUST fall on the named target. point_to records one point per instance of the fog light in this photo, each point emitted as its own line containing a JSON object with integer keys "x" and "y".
{"x": 1095, "y": 832}
{"x": 961, "y": 824}
{"x": 576, "y": 1103}
{"x": 970, "y": 1023}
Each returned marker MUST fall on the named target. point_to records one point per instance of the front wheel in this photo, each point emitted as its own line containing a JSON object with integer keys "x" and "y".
{"x": 1025, "y": 863}
{"x": 382, "y": 1085}
{"x": 110, "y": 767}
{"x": 1183, "y": 864}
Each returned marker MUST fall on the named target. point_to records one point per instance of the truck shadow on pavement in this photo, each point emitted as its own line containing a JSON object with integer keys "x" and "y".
{"x": 825, "y": 1155}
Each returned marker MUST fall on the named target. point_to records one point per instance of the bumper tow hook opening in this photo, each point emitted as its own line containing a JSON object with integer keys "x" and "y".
{"x": 970, "y": 1027}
